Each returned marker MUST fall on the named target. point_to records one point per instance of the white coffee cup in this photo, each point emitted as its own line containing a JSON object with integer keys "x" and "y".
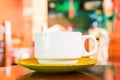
{"x": 57, "y": 47}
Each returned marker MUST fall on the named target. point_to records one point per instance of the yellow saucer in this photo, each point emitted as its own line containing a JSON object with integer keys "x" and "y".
{"x": 33, "y": 64}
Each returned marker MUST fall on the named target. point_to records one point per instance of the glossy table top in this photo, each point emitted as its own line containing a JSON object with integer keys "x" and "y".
{"x": 97, "y": 72}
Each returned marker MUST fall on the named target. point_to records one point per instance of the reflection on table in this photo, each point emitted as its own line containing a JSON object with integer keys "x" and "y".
{"x": 97, "y": 72}
{"x": 58, "y": 76}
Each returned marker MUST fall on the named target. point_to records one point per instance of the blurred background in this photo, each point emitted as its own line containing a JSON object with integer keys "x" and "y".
{"x": 25, "y": 17}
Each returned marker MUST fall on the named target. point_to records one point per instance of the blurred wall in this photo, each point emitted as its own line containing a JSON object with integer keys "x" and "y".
{"x": 12, "y": 10}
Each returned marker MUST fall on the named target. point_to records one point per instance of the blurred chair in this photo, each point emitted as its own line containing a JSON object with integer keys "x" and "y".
{"x": 5, "y": 43}
{"x": 10, "y": 53}
{"x": 1, "y": 44}
{"x": 8, "y": 43}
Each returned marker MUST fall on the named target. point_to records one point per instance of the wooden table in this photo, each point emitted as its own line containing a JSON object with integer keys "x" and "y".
{"x": 97, "y": 72}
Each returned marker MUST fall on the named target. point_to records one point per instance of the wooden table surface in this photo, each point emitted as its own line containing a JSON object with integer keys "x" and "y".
{"x": 96, "y": 72}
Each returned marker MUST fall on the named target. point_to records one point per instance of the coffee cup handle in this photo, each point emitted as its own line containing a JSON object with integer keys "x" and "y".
{"x": 86, "y": 53}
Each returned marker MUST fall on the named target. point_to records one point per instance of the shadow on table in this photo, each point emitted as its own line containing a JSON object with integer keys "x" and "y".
{"x": 58, "y": 76}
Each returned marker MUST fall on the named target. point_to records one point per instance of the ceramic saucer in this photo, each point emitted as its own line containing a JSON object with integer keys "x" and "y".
{"x": 34, "y": 64}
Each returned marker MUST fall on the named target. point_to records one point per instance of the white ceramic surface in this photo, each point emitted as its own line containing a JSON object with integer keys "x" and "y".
{"x": 63, "y": 45}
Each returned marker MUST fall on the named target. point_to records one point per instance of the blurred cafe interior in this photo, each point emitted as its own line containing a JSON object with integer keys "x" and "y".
{"x": 20, "y": 19}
